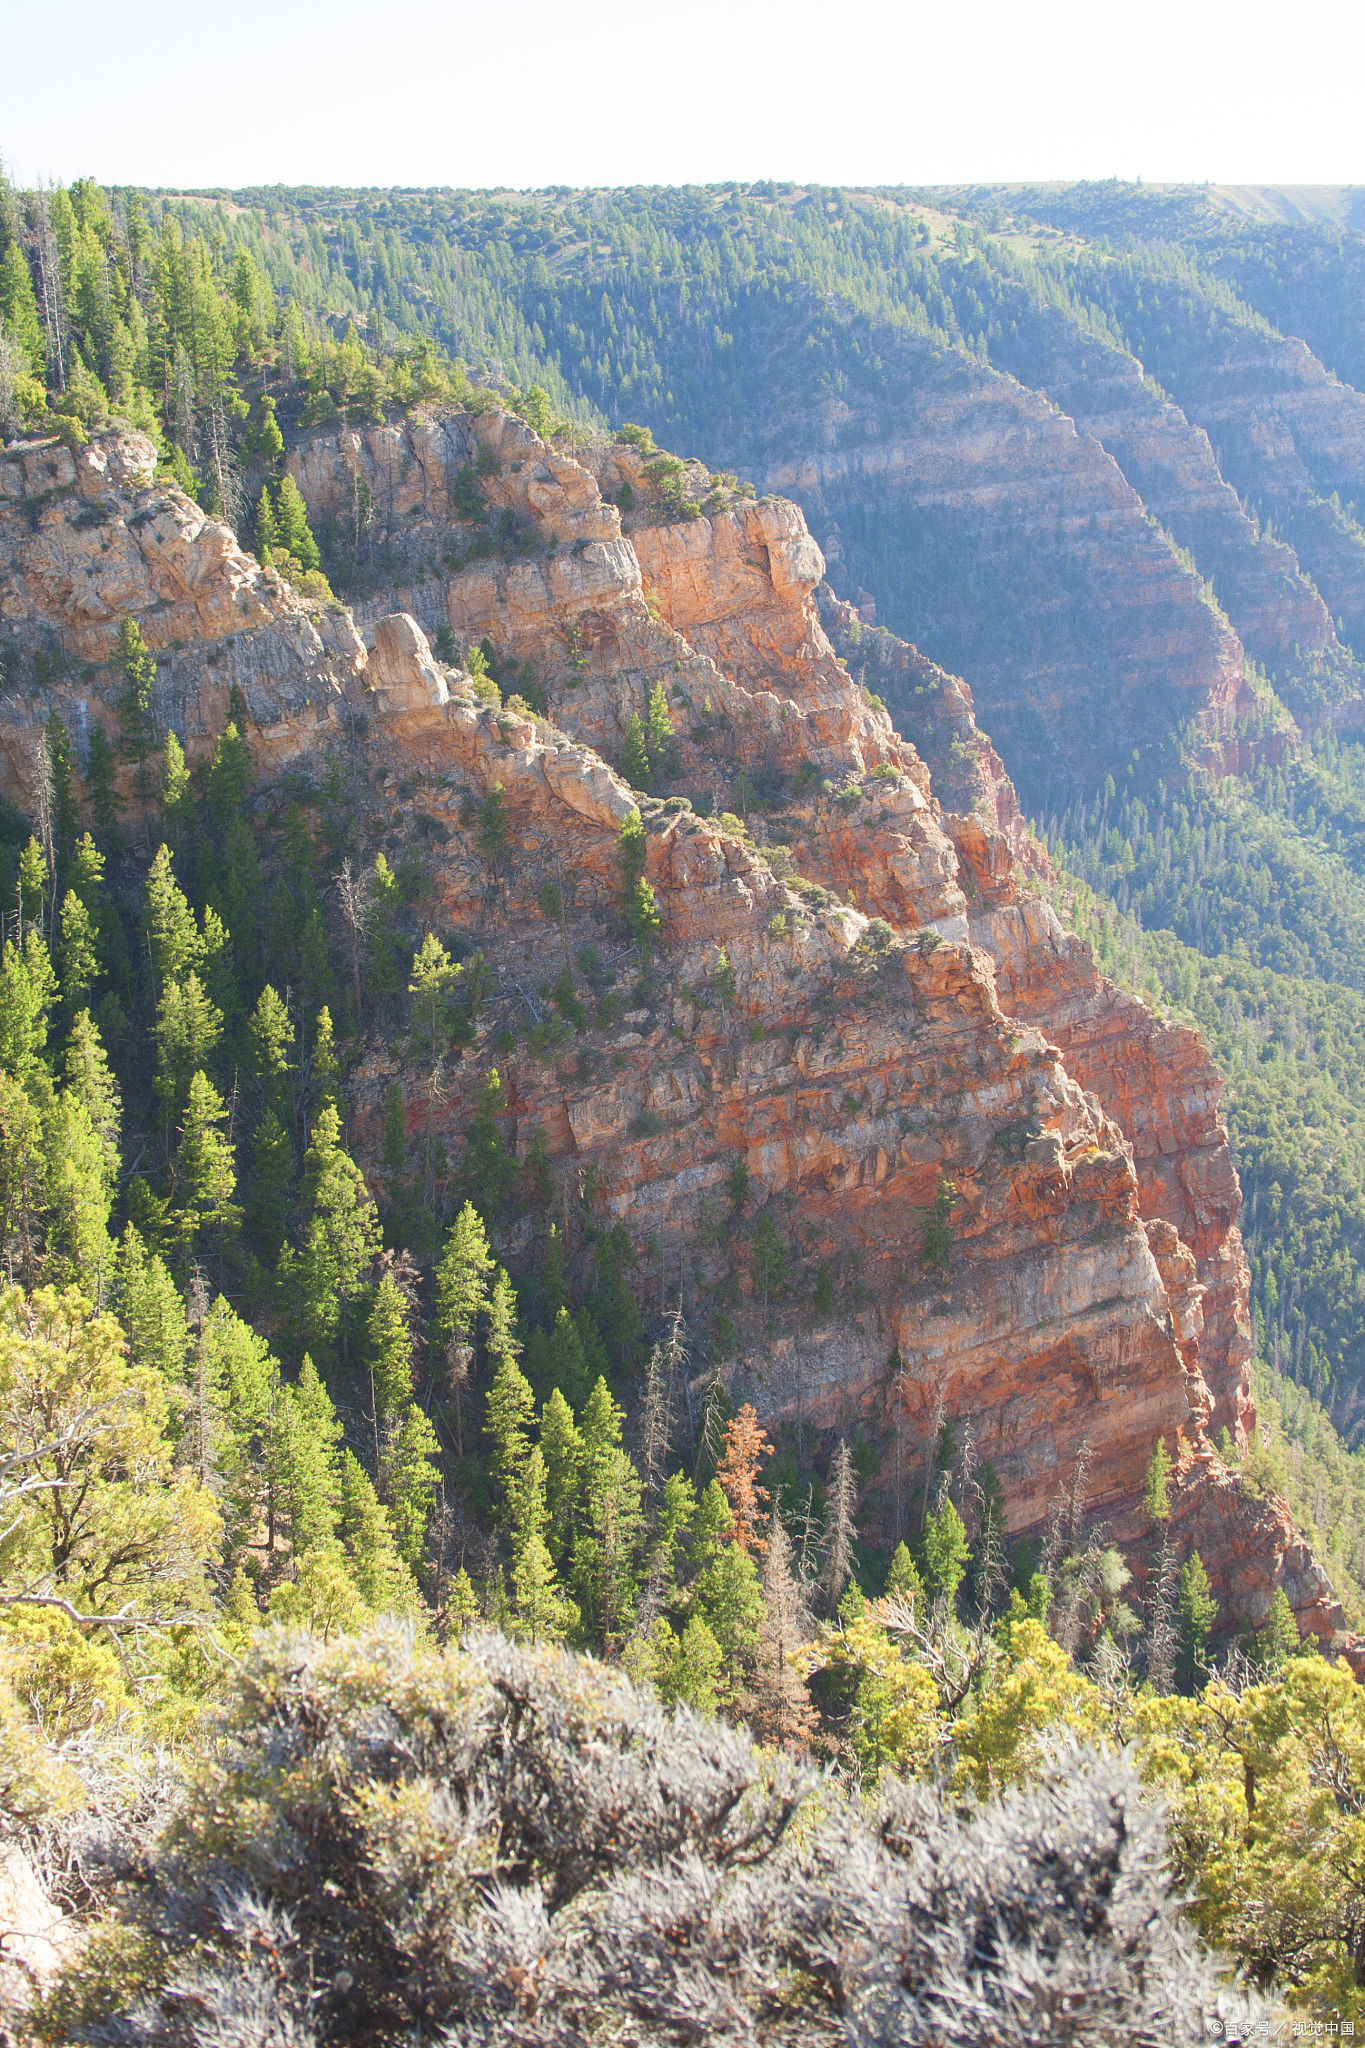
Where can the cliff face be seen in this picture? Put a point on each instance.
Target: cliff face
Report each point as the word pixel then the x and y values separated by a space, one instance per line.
pixel 1012 1176
pixel 1016 527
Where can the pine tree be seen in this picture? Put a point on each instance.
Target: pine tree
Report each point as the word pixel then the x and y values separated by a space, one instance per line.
pixel 271 1037
pixel 175 943
pixel 62 769
pixel 631 850
pixel 690 1674
pixel 389 1340
pixel 645 919
pixel 267 534
pixel 490 1170
pixel 325 1073
pixel 659 730
pixel 291 520
pixel 176 794
pixel 204 1179
pixel 341 1236
pixel 366 1531
pixel 635 755
pixel 609 1522
pixel 19 308
pixel 461 1293
pixel 561 1448
pixel 838 1564
pixel 302 1462
pixel 409 1474
pixel 555 1360
pixel 433 976
pixel 945 1553
pixel 135 665
pixel 511 1404
pixel 27 987
pixel 272 1174
pixel 79 952
pixel 778 1703
pixel 1197 1610
pixel 188 1028
pixel 1156 1501
pixel 746 1448
pixel 100 781
pixel 150 1310
pixel 903 1581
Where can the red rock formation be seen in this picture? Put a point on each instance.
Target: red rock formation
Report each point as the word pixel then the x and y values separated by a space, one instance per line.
pixel 1080 1292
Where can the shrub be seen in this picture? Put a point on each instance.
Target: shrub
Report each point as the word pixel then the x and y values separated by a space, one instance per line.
pixel 501 1845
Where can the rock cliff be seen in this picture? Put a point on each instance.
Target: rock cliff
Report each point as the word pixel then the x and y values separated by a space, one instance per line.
pixel 1005 1181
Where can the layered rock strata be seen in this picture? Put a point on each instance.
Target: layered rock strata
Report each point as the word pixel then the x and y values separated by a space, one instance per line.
pixel 1013 1180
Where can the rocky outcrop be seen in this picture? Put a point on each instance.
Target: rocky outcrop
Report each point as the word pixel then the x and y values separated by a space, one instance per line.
pixel 89 539
pixel 1007 1180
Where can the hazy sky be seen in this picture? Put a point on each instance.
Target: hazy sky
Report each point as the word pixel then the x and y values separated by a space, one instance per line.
pixel 601 92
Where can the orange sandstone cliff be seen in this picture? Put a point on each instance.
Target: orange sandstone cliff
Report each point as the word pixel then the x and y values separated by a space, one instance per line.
pixel 1011 1175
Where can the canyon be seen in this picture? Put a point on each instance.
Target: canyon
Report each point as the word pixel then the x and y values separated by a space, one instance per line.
pixel 1013 1174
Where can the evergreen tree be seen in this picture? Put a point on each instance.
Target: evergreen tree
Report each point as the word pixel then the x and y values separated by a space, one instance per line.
pixel 19 308
pixel 433 976
pixel 645 919
pixel 490 1170
pixel 366 1531
pixel 541 1611
pixel 1197 1612
pixel 79 952
pixel 511 1404
pixel 461 1292
pixel 839 1542
pixel 62 769
pixel 272 1175
pixel 271 1037
pixel 555 1360
pixel 609 1522
pixel 409 1475
pixel 303 1462
pixel 177 809
pixel 561 1448
pixel 635 755
pixel 945 1550
pixel 267 533
pixel 101 786
pixel 690 1673
pixel 291 521
pixel 135 665
pixel 659 730
pixel 554 1274
pixel 389 1341
pixel 903 1581
pixel 341 1236
pixel 150 1310
pixel 204 1179
pixel 1156 1492
pixel 175 944
pixel 631 849
pixel 188 1028
pixel 768 1260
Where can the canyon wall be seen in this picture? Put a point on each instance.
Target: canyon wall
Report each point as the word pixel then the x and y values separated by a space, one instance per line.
pixel 1011 1177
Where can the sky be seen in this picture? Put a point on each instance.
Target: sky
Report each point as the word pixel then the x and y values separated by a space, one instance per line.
pixel 602 92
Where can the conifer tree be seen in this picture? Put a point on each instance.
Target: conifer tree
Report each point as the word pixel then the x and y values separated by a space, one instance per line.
pixel 1197 1611
pixel 746 1449
pixel 433 976
pixel 101 770
pixel 174 942
pixel 490 1170
pixel 903 1581
pixel 409 1474
pixel 838 1561
pixel 946 1550
pixel 561 1449
pixel 19 308
pixel 27 987
pixel 365 1530
pixel 635 755
pixel 135 665
pixel 272 1174
pixel 511 1403
pixel 541 1611
pixel 271 1037
pixel 188 1028
pixel 778 1702
pixel 176 792
pixel 267 533
pixel 325 1074
pixel 204 1178
pixel 78 952
pixel 609 1522
pixel 341 1236
pixel 631 848
pixel 62 770
pixel 389 1340
pixel 303 1462
pixel 554 1274
pixel 690 1675
pixel 291 520
pixel 460 1295
pixel 150 1310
